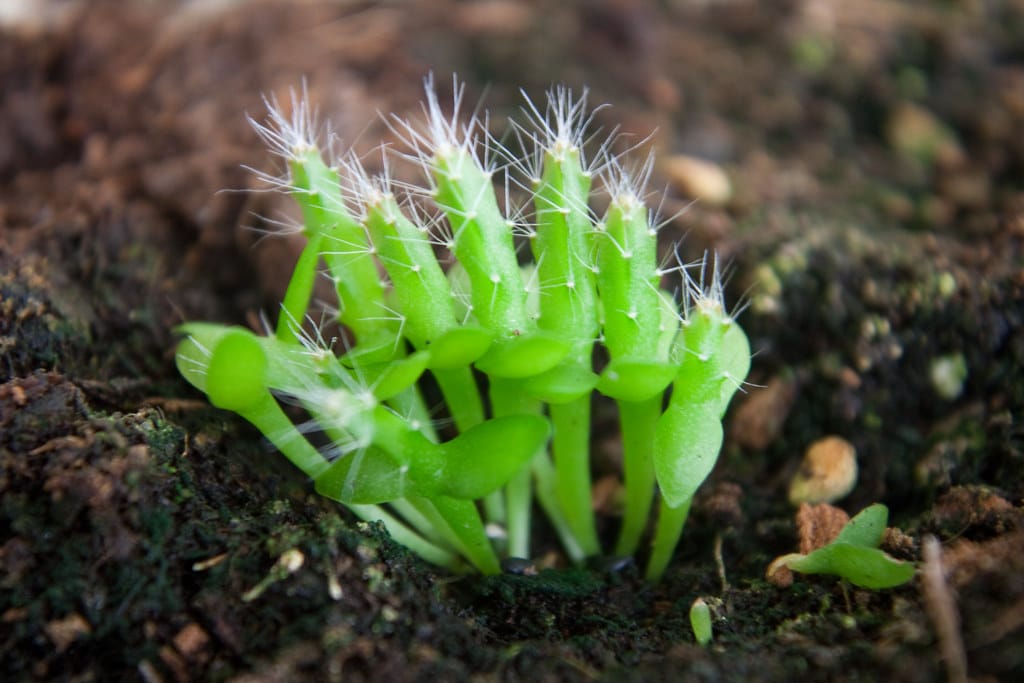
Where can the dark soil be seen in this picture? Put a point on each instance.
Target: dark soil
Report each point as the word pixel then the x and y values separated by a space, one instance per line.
pixel 876 150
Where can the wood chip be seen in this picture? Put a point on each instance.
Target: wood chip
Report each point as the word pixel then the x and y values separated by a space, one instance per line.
pixel 63 632
pixel 818 525
pixel 191 640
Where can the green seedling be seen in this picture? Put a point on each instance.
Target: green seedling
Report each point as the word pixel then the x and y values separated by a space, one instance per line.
pixel 510 346
pixel 700 621
pixel 854 555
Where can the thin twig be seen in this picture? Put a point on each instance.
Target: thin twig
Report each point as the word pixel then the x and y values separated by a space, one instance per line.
pixel 720 563
pixel 941 606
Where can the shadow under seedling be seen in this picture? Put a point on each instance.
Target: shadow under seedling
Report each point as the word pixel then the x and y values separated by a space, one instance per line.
pixel 530 330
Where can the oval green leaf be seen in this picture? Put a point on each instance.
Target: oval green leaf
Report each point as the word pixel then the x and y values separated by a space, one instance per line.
pixel 195 350
pixel 523 356
pixel 484 458
pixel 236 377
pixel 735 360
pixel 458 347
pixel 561 384
pixel 635 381
pixel 866 528
pixel 686 445
pixel 387 380
pixel 864 567
pixel 366 477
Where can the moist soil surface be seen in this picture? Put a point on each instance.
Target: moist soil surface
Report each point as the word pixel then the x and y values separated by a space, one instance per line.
pixel 873 221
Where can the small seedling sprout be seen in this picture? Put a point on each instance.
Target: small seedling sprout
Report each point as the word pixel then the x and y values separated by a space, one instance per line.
pixel 854 555
pixel 700 621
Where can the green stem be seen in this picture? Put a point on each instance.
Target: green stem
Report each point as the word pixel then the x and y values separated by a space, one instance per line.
pixel 403 535
pixel 268 417
pixel 666 537
pixel 424 524
pixel 508 398
pixel 571 448
pixel 638 421
pixel 463 519
pixel 494 507
pixel 437 522
pixel 300 289
pixel 519 498
pixel 547 496
pixel 462 396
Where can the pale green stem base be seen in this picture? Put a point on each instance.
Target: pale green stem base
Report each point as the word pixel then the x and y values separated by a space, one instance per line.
pixel 508 398
pixel 520 498
pixel 571 448
pixel 547 496
pixel 458 524
pixel 638 421
pixel 494 508
pixel 437 523
pixel 666 537
pixel 463 519
pixel 424 524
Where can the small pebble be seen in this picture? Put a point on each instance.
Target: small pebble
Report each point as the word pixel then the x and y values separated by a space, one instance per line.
pixel 191 640
pixel 518 566
pixel 699 179
pixel 827 474
pixel 947 374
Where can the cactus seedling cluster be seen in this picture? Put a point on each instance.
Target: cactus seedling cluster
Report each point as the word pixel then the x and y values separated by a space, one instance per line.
pixel 510 347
